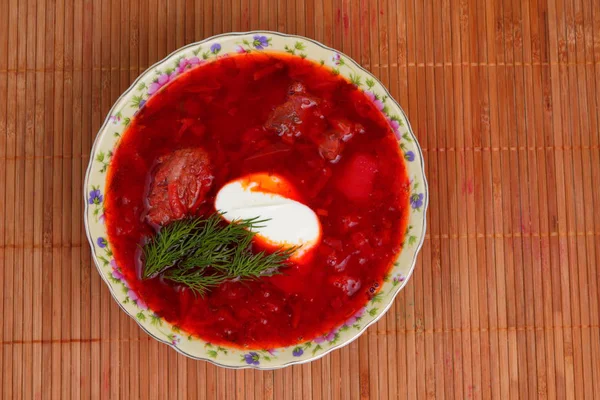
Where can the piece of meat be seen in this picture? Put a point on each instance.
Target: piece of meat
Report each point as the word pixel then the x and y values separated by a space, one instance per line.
pixel 303 114
pixel 331 146
pixel 288 120
pixel 179 185
pixel 297 88
pixel 331 143
pixel 346 129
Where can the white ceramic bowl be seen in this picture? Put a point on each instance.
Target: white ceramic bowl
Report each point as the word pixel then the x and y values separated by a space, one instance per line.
pixel 124 110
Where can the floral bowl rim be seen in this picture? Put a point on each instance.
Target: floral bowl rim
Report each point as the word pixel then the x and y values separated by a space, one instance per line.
pixel 260 359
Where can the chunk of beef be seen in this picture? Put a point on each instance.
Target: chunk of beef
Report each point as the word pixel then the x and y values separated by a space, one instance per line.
pixel 331 146
pixel 289 119
pixel 331 143
pixel 304 115
pixel 179 185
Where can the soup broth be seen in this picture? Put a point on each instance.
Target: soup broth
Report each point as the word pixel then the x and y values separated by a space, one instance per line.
pixel 265 113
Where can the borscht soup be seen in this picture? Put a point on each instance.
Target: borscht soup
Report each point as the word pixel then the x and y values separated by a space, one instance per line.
pixel 257 200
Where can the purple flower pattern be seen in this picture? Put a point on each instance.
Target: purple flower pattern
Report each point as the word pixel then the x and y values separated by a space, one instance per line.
pixel 297 352
pixel 397 279
pixel 95 197
pixel 101 242
pixel 336 58
pixel 409 156
pixel 260 42
pixel 136 299
pixel 116 271
pixel 117 274
pixel 376 102
pixel 252 358
pixel 416 200
pixel 395 125
pixel 183 65
pixel 215 48
pixel 174 339
pixel 353 319
pixel 328 337
pixel 187 63
pixel 160 82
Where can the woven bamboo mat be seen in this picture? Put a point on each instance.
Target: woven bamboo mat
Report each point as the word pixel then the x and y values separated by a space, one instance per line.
pixel 504 96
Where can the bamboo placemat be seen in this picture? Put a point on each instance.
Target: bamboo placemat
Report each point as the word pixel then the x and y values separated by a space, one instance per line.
pixel 504 96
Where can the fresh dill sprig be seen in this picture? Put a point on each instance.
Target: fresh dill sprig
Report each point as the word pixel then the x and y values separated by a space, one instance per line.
pixel 172 244
pixel 248 265
pixel 196 279
pixel 203 253
pixel 215 241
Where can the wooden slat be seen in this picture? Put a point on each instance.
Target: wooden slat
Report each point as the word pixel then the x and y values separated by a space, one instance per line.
pixel 591 166
pixel 504 97
pixel 8 218
pixel 39 203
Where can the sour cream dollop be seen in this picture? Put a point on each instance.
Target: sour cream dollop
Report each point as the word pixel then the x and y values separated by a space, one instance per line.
pixel 290 222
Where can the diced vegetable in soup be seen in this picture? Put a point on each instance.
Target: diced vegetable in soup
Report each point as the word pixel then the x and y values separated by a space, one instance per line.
pixel 307 140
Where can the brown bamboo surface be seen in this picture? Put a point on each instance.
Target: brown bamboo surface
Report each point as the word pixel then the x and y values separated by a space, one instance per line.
pixel 504 96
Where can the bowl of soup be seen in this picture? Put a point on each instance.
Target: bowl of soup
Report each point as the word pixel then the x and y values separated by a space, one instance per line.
pixel 255 200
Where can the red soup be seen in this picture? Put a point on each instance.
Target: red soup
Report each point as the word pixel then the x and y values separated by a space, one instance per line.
pixel 264 113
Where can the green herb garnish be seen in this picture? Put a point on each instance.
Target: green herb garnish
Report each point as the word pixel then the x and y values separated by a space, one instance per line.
pixel 246 264
pixel 203 253
pixel 213 244
pixel 196 279
pixel 169 246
